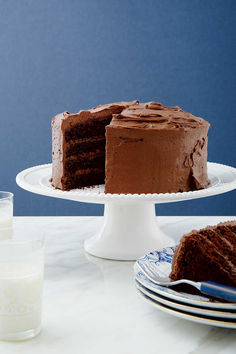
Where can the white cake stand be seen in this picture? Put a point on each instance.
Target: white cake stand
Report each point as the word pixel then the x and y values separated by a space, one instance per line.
pixel 129 228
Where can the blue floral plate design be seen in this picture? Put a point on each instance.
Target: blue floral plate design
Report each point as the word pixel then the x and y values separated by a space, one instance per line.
pixel 163 259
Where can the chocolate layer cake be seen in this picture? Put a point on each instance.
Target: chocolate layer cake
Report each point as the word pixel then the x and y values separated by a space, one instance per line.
pixel 151 148
pixel 207 254
pixel 78 146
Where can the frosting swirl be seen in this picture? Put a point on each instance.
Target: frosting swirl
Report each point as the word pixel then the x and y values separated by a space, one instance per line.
pixel 154 115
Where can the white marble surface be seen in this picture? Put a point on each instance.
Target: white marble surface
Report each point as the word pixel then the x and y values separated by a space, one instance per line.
pixel 91 306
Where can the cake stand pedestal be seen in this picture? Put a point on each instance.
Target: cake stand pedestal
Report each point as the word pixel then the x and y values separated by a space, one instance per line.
pixel 129 228
pixel 127 231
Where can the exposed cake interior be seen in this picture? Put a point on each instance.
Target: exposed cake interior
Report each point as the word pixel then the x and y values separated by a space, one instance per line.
pixel 207 254
pixel 79 146
pixel 84 154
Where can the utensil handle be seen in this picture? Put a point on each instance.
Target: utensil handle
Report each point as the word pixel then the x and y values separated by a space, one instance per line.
pixel 218 290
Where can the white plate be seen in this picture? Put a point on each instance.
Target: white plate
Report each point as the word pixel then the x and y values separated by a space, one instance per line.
pixel 162 260
pixel 186 308
pixel 36 180
pixel 199 319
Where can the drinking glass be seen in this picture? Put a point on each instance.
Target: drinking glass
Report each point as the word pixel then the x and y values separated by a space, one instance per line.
pixel 21 284
pixel 6 215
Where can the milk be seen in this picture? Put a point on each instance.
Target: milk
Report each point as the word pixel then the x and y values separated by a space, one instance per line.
pixel 20 298
pixel 6 211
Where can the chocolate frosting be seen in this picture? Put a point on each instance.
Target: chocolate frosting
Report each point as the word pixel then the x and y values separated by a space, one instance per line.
pixel 152 148
pixel 153 115
pixel 67 119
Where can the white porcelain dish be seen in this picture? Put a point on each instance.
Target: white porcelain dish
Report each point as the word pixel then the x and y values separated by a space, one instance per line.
pixel 186 307
pixel 218 322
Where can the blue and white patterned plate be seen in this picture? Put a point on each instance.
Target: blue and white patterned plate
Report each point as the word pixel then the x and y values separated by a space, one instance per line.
pixel 163 260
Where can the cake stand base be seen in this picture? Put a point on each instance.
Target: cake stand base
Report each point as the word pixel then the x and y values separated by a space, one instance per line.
pixel 129 231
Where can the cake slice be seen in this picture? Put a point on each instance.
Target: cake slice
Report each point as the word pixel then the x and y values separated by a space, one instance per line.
pixel 78 146
pixel 207 255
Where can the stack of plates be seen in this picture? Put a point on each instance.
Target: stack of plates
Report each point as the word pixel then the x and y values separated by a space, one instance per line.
pixel 190 307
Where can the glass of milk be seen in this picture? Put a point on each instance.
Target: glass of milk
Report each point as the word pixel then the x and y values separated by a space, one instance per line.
pixel 6 215
pixel 21 284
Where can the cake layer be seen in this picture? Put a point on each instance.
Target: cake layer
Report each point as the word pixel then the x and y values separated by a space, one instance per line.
pixel 91 128
pixel 78 180
pixel 227 229
pixel 221 242
pixel 86 145
pixel 84 161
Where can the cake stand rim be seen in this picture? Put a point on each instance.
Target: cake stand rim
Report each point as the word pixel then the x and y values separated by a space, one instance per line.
pixel 89 196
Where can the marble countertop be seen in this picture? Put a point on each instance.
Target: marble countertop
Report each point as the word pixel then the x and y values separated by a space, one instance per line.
pixel 91 306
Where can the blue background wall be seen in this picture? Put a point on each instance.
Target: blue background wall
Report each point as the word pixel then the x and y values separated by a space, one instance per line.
pixel 73 54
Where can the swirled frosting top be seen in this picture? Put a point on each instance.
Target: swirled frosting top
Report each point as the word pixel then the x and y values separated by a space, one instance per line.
pixel 153 115
pixel 100 112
